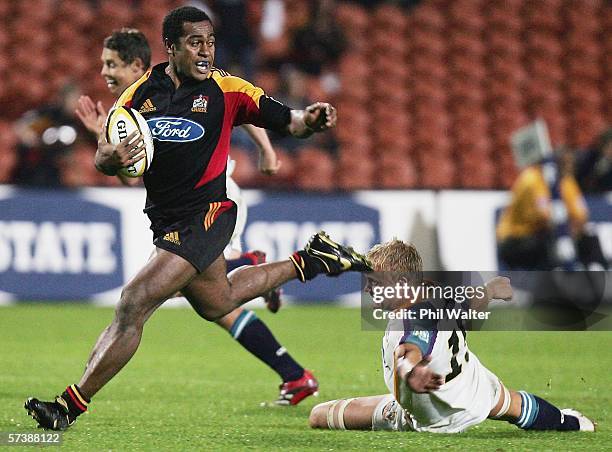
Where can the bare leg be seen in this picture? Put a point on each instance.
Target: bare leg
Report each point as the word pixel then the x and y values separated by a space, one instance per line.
pixel 163 275
pixel 93 350
pixel 213 295
pixel 513 411
pixel 227 321
pixel 357 413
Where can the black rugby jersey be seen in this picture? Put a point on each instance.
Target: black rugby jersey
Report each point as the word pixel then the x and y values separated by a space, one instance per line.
pixel 191 129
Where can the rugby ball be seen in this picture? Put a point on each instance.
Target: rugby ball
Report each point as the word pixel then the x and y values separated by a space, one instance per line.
pixel 121 122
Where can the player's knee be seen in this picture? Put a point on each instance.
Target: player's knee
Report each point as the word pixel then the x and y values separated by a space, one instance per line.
pixel 130 309
pixel 318 416
pixel 210 313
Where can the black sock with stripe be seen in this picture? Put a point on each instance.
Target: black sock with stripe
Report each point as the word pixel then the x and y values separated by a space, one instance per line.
pixel 538 414
pixel 75 401
pixel 257 338
pixel 306 266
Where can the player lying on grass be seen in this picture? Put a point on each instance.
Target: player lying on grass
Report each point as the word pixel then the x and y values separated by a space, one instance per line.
pixel 437 384
pixel 126 56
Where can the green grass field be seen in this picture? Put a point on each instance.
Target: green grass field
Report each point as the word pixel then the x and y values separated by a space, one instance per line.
pixel 191 387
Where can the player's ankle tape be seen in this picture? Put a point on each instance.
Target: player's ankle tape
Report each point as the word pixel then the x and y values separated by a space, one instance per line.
pixel 306 266
pixel 75 401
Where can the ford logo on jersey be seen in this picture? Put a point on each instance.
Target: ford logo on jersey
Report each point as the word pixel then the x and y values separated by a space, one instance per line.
pixel 175 129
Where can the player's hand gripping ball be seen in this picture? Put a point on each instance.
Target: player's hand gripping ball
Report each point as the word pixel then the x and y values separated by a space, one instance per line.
pixel 121 122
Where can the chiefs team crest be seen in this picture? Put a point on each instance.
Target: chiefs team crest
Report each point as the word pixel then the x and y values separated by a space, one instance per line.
pixel 200 104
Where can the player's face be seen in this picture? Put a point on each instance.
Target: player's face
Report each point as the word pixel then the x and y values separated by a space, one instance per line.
pixel 117 73
pixel 194 55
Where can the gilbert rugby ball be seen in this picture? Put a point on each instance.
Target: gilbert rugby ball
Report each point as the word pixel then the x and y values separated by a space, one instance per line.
pixel 121 122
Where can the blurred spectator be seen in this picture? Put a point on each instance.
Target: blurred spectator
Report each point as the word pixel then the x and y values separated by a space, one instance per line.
pixel 320 43
pixel 595 165
pixel 528 232
pixel 235 44
pixel 45 135
pixel 546 224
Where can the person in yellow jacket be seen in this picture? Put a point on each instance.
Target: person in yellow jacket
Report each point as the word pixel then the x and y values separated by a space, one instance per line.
pixel 525 231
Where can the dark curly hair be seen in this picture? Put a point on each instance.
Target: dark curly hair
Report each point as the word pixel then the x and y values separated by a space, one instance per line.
pixel 172 28
pixel 130 44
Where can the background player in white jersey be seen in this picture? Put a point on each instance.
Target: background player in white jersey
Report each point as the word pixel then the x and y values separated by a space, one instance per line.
pixel 436 383
pixel 125 58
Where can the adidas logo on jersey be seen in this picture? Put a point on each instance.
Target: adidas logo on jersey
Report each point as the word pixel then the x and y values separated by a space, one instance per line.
pixel 147 107
pixel 172 237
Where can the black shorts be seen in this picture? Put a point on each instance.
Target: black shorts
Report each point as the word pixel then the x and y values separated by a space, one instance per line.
pixel 199 239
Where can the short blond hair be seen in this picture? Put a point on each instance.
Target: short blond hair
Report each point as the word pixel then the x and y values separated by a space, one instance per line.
pixel 396 256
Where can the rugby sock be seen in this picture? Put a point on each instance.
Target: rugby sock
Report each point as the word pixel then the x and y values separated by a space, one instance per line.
pixel 306 266
pixel 538 414
pixel 255 336
pixel 75 401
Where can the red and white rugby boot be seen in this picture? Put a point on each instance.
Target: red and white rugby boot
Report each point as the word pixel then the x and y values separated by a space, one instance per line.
pixel 293 392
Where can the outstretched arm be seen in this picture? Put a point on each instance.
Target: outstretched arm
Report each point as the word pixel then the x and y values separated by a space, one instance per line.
pixel 315 118
pixel 497 288
pixel 268 160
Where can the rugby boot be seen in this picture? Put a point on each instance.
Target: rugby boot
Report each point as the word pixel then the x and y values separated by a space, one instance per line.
pixel 335 258
pixel 586 424
pixel 293 392
pixel 50 415
pixel 273 299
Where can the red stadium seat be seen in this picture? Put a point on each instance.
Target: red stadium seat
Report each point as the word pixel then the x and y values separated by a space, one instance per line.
pixel 467 43
pixel 468 67
pixel 5 9
pixel 507 176
pixel 81 157
pixel 505 21
pixel 79 11
pixel 360 148
pixel 351 16
pixel 399 139
pixel 504 44
pixel 396 172
pixel 355 174
pixel 543 45
pixel 354 66
pixel 427 42
pixel 582 68
pixel 579 20
pixel 477 173
pixel 427 17
pixel 315 170
pixel 468 20
pixel 245 171
pixel 8 162
pixel 436 171
pixel 390 17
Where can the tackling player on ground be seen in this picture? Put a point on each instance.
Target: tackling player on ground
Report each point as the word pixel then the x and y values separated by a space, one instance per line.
pixel 436 383
pixel 191 217
pixel 126 57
